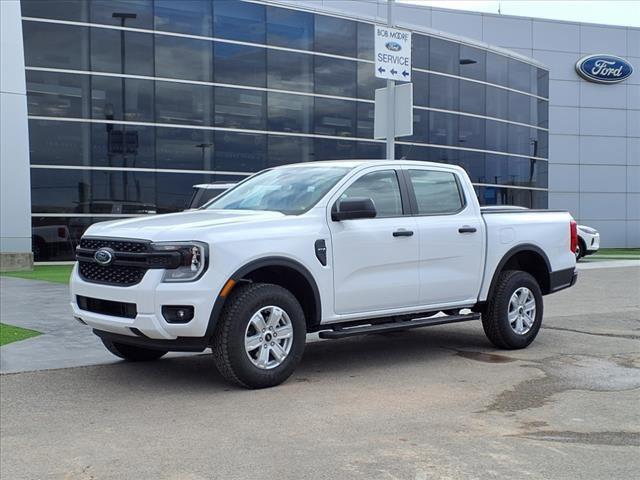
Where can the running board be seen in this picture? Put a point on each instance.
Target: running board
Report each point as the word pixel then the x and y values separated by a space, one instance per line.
pixel 345 332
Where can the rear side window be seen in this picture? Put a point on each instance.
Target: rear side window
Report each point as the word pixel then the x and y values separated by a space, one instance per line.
pixel 437 192
pixel 381 187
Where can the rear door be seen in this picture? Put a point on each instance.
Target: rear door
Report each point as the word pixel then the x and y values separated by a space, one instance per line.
pixel 375 260
pixel 451 237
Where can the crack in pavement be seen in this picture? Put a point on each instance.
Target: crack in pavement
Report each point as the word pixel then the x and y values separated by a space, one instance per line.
pixel 619 438
pixel 614 335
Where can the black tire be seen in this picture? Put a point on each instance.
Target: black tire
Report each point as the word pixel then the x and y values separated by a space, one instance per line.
pixel 131 353
pixel 494 317
pixel 229 353
pixel 581 248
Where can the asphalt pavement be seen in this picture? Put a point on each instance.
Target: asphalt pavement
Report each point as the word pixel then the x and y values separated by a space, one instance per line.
pixel 437 403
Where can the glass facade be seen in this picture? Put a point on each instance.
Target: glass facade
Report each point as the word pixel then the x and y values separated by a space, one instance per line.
pixel 131 102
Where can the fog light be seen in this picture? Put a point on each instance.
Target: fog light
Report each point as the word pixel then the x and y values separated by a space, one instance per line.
pixel 177 313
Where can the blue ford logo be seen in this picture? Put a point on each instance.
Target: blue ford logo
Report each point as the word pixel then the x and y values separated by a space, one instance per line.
pixel 393 46
pixel 604 68
pixel 104 256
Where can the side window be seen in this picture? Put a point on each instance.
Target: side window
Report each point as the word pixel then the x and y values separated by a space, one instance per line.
pixel 381 187
pixel 436 192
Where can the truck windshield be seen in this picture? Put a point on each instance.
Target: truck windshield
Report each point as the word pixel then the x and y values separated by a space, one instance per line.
pixel 291 191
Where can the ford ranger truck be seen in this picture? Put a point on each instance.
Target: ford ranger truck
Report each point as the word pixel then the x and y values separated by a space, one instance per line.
pixel 341 248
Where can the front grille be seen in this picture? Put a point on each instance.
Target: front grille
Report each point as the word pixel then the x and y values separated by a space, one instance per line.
pixel 122 275
pixel 107 307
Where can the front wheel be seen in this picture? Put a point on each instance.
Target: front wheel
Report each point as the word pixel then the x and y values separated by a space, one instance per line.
pixel 513 315
pixel 131 353
pixel 260 336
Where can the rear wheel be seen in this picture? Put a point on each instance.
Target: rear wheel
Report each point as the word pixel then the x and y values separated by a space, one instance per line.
pixel 131 353
pixel 513 315
pixel 260 336
pixel 580 250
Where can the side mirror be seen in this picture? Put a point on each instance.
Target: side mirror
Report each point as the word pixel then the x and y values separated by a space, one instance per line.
pixel 352 208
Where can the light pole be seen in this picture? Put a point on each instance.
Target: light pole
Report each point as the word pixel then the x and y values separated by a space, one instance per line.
pixel 391 101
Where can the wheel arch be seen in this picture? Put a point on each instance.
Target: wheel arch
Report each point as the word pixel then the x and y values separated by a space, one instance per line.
pixel 283 271
pixel 528 258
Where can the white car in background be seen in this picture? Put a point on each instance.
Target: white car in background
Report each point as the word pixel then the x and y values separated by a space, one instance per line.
pixel 588 241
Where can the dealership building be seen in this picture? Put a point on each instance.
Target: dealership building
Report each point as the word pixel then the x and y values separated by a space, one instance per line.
pixel 116 108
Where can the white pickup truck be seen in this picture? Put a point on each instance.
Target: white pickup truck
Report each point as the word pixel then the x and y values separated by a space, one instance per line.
pixel 341 248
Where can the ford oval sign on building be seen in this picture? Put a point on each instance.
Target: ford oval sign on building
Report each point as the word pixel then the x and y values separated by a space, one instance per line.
pixel 604 68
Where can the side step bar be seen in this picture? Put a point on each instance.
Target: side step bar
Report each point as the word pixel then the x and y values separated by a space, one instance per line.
pixel 344 332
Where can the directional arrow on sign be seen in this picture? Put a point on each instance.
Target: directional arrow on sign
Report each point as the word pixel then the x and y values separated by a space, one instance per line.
pixel 393 71
pixel 381 70
pixel 405 74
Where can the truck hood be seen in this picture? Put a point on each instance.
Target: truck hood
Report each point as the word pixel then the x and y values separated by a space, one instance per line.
pixel 178 226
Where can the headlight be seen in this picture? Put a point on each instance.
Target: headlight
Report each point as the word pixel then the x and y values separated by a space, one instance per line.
pixel 588 230
pixel 193 260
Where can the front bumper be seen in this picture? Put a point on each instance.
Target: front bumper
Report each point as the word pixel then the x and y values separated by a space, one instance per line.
pixel 592 244
pixel 149 296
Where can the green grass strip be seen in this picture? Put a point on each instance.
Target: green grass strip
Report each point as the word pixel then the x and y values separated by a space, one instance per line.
pixel 47 273
pixel 10 334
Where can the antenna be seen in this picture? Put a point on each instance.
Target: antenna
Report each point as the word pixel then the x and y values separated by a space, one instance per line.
pixel 499 12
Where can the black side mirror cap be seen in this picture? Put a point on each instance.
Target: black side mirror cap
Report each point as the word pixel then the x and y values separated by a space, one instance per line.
pixel 353 208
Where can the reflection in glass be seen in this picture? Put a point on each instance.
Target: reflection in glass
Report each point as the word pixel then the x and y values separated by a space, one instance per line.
pixel 116 145
pixel 368 82
pixel 497 69
pixel 443 56
pixel 239 21
pixel 472 97
pixel 289 28
pixel 443 128
pixel 444 92
pixel 289 71
pixel 75 10
pixel 284 150
pixel 107 102
pixel 239 64
pixel 520 108
pixel 471 134
pixel 240 152
pixel 335 35
pixel 236 108
pixel 52 94
pixel 54 46
pixel 102 11
pixel 185 58
pixel 497 102
pixel 335 117
pixel 183 103
pixel 331 149
pixel 365 41
pixel 107 50
pixel 182 148
pixel 472 62
pixel 334 76
pixel 366 114
pixel 59 143
pixel 290 113
pixel 419 51
pixel 520 75
pixel 185 16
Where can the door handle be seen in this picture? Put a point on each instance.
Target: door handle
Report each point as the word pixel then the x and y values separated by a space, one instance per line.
pixel 467 229
pixel 403 233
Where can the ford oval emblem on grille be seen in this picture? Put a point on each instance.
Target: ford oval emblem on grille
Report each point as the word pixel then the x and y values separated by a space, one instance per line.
pixel 604 68
pixel 104 256
pixel 393 46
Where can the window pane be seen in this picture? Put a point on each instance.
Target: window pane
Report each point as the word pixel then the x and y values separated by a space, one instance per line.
pixel 106 98
pixel 436 192
pixel 185 16
pixel 334 76
pixel 240 152
pixel 335 117
pixel 368 82
pixel 366 113
pixel 239 21
pixel 121 192
pixel 330 149
pixel 443 128
pixel 370 150
pixel 75 10
pixel 365 41
pixel 285 150
pixel 182 148
pixel 239 64
pixel 496 138
pixel 497 69
pixel 497 102
pixel 516 171
pixel 473 163
pixel 183 103
pixel 236 108
pixel 472 97
pixel 519 108
pixel 59 143
pixel 543 113
pixel 55 46
pixel 520 140
pixel 289 28
pixel 106 52
pixel 102 11
pixel 471 132
pixel 444 56
pixel 63 246
pixel 174 190
pixel 290 113
pixel 420 127
pixel 289 71
pixel 519 75
pixel 381 187
pixel 335 35
pixel 472 62
pixel 185 58
pixel 543 82
pixel 419 51
pixel 114 145
pixel 420 88
pixel 52 94
pixel 443 92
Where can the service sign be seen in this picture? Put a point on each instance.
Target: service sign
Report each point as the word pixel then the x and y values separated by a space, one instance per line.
pixel 604 68
pixel 393 54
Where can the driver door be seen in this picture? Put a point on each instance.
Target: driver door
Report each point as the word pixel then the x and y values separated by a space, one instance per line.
pixel 375 260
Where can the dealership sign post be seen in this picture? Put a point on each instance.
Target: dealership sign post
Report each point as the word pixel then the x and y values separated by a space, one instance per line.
pixel 392 62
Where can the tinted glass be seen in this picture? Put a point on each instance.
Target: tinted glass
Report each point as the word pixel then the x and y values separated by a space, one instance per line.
pixel 543 113
pixel 114 145
pixel 236 108
pixel 420 126
pixel 520 108
pixel 290 113
pixel 285 150
pixel 106 99
pixel 366 114
pixel 472 62
pixel 185 16
pixel 381 187
pixel 289 71
pixel 443 128
pixel 521 140
pixel 59 143
pixel 419 51
pixel 289 28
pixel 103 11
pixel 106 52
pixel 368 82
pixel 365 41
pixel 330 149
pixel 370 150
pixel 444 56
pixel 287 190
pixel 519 75
pixel 420 88
pixel 471 133
pixel 497 69
pixel 57 94
pixel 335 35
pixel 55 46
pixel 497 102
pixel 444 92
pixel 240 152
pixel 239 64
pixel 335 117
pixel 62 246
pixel 334 76
pixel 473 163
pixel 183 103
pixel 436 192
pixel 182 148
pixel 496 135
pixel 543 82
pixel 75 10
pixel 512 196
pixel 239 21
pixel 185 58
pixel 472 97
